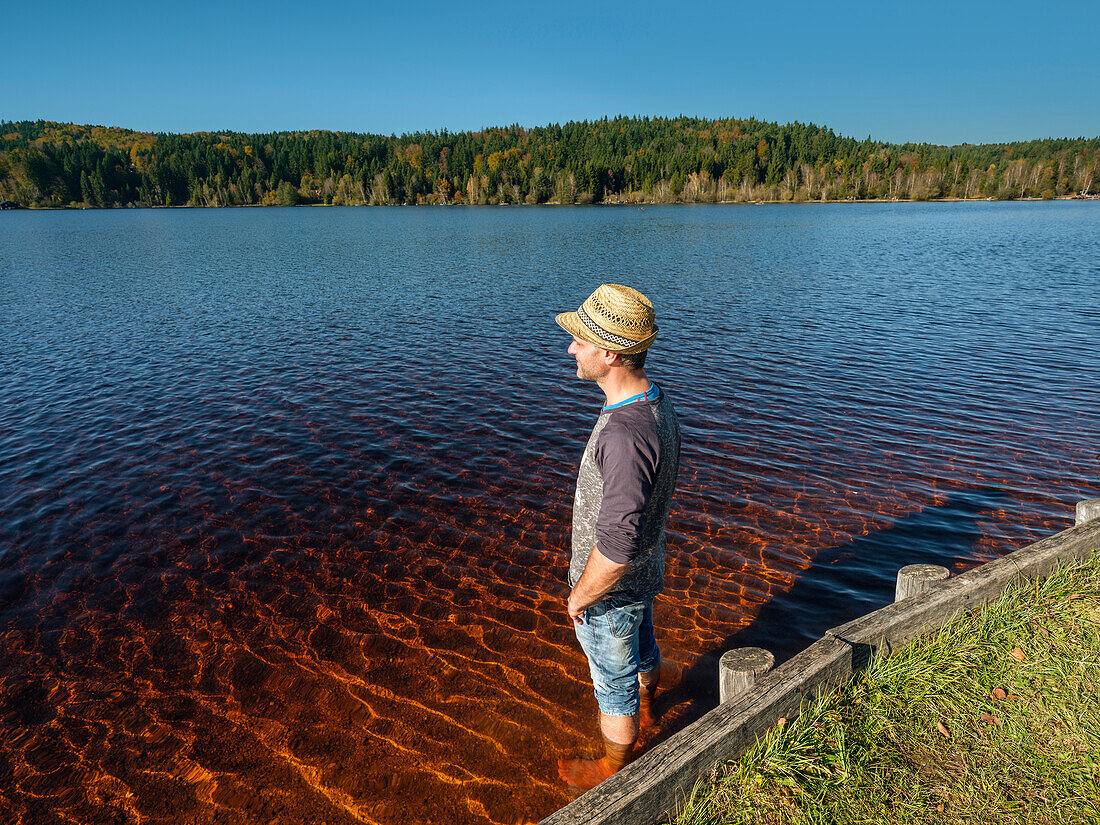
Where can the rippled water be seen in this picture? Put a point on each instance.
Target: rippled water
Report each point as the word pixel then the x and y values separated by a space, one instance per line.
pixel 284 494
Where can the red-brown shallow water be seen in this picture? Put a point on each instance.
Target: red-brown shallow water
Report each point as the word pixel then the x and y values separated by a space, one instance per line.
pixel 285 494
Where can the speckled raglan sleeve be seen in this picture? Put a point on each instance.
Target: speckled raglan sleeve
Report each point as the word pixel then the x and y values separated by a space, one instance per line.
pixel 627 453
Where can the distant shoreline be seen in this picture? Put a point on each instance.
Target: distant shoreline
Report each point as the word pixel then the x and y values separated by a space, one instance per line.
pixel 611 203
pixel 610 161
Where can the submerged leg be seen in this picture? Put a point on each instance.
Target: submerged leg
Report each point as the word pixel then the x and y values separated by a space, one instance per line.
pixel 588 773
pixel 649 668
pixel 647 689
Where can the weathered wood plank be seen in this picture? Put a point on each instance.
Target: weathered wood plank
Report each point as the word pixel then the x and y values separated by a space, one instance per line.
pixel 895 625
pixel 652 787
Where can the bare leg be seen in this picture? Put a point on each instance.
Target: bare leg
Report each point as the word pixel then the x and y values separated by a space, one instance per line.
pixel 619 735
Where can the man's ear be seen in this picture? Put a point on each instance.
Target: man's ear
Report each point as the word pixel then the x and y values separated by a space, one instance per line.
pixel 610 357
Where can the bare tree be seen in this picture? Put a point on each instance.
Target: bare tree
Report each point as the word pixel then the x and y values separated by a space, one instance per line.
pixel 972 184
pixel 379 193
pixel 790 181
pixel 700 188
pixel 726 190
pixel 1086 178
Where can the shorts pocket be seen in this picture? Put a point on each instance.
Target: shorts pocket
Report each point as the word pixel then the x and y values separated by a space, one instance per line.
pixel 625 620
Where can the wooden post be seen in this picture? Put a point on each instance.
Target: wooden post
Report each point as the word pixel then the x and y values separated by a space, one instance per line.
pixel 738 669
pixel 916 578
pixel 1087 510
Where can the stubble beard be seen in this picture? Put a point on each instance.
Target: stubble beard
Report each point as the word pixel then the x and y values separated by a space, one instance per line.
pixel 585 375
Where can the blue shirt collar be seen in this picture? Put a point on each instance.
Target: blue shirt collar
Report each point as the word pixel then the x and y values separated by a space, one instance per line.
pixel 652 394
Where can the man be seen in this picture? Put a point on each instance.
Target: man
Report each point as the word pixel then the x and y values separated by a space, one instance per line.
pixel 624 488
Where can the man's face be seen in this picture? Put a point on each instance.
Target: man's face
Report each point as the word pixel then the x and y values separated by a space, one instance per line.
pixel 591 360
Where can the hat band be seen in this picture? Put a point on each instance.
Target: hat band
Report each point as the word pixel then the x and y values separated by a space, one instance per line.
pixel 602 333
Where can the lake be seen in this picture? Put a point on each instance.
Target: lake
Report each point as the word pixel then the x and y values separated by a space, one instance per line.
pixel 285 493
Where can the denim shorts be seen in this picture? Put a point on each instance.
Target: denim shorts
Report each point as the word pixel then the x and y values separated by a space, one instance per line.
pixel 618 640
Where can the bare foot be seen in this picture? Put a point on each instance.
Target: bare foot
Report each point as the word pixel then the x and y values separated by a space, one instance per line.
pixel 584 773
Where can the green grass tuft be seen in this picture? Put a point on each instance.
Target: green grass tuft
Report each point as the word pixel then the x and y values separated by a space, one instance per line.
pixel 995 718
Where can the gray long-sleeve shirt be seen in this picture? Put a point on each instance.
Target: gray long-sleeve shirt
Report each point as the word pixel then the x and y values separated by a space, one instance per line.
pixel 624 489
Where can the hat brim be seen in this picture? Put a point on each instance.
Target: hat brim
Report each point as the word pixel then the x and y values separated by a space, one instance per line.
pixel 571 323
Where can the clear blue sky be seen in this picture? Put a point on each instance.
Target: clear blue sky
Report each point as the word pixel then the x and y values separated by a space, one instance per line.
pixel 941 72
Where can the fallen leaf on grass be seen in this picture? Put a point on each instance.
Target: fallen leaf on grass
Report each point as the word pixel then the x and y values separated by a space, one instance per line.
pixel 1072 597
pixel 1012 697
pixel 990 719
pixel 943 730
pixel 999 694
pixel 1017 654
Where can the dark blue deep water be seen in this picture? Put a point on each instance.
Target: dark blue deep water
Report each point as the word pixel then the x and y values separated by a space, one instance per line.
pixel 284 494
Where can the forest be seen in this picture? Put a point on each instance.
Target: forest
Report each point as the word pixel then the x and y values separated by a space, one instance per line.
pixel 612 160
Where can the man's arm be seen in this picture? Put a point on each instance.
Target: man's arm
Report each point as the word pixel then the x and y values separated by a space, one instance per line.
pixel 599 576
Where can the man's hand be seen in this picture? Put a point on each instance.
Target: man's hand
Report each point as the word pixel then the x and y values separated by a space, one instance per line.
pixel 575 609
pixel 599 576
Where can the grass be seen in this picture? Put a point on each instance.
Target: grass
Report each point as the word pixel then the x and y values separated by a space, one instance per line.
pixel 995 718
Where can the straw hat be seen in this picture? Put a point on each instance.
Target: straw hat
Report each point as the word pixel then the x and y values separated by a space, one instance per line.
pixel 615 318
